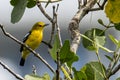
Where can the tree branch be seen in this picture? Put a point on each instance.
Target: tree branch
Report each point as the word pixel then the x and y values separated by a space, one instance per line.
pixel 55 20
pixel 115 70
pixel 43 11
pixel 21 43
pixel 111 70
pixel 101 7
pixel 58 67
pixel 12 72
pixel 74 24
pixel 50 46
pixel 53 26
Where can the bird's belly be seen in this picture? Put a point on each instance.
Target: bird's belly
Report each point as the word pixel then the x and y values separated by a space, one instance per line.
pixel 34 41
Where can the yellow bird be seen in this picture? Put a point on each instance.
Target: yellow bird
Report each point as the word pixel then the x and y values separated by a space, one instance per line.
pixel 32 39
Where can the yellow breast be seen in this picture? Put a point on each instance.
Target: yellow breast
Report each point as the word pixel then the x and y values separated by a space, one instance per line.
pixel 35 39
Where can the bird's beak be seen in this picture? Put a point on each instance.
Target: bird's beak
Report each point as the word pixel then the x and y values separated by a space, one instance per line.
pixel 46 24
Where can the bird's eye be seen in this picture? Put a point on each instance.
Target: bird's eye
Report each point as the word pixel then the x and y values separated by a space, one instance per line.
pixel 40 25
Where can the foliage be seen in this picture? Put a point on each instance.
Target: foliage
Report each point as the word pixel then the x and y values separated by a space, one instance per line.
pixel 55 49
pixel 118 78
pixel 31 3
pixel 90 71
pixel 18 10
pixel 96 37
pixel 93 71
pixel 117 26
pixel 112 10
pixel 65 54
pixel 20 6
pixel 37 77
pixel 79 75
pixel 115 41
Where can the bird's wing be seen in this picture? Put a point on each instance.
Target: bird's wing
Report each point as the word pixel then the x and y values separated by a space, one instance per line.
pixel 24 39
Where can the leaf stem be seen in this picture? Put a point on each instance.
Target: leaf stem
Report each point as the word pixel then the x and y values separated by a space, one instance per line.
pixel 103 71
pixel 104 48
pixel 65 73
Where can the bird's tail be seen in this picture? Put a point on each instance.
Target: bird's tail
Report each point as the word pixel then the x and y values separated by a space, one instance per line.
pixel 23 58
pixel 22 62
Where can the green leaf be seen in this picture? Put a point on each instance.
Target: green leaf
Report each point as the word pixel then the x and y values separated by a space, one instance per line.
pixel 13 2
pixel 18 11
pixel 117 26
pixel 79 75
pixel 66 55
pixel 36 77
pixel 118 78
pixel 54 78
pixel 108 57
pixel 112 10
pixel 100 21
pixel 97 36
pixel 87 43
pixel 112 38
pixel 100 40
pixel 118 44
pixel 56 48
pixel 115 41
pixel 50 1
pixel 93 71
pixel 31 3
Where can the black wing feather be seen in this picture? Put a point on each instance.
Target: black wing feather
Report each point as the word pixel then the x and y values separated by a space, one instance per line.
pixel 24 39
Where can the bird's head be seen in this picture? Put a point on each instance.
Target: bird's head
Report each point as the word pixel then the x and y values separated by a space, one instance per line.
pixel 39 26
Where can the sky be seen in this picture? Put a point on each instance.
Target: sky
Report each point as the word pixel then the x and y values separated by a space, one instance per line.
pixel 9 51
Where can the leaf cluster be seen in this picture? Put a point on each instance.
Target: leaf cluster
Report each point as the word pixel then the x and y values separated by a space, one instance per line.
pixel 66 55
pixel 19 8
pixel 21 5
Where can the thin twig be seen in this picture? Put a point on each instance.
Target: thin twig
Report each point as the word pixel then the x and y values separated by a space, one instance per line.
pixel 59 36
pixel 46 43
pixel 58 67
pixel 57 7
pixel 111 68
pixel 79 4
pixel 103 71
pixel 101 7
pixel 65 67
pixel 34 70
pixel 115 70
pixel 21 43
pixel 98 3
pixel 95 9
pixel 60 40
pixel 52 33
pixel 58 31
pixel 53 26
pixel 43 11
pixel 11 71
